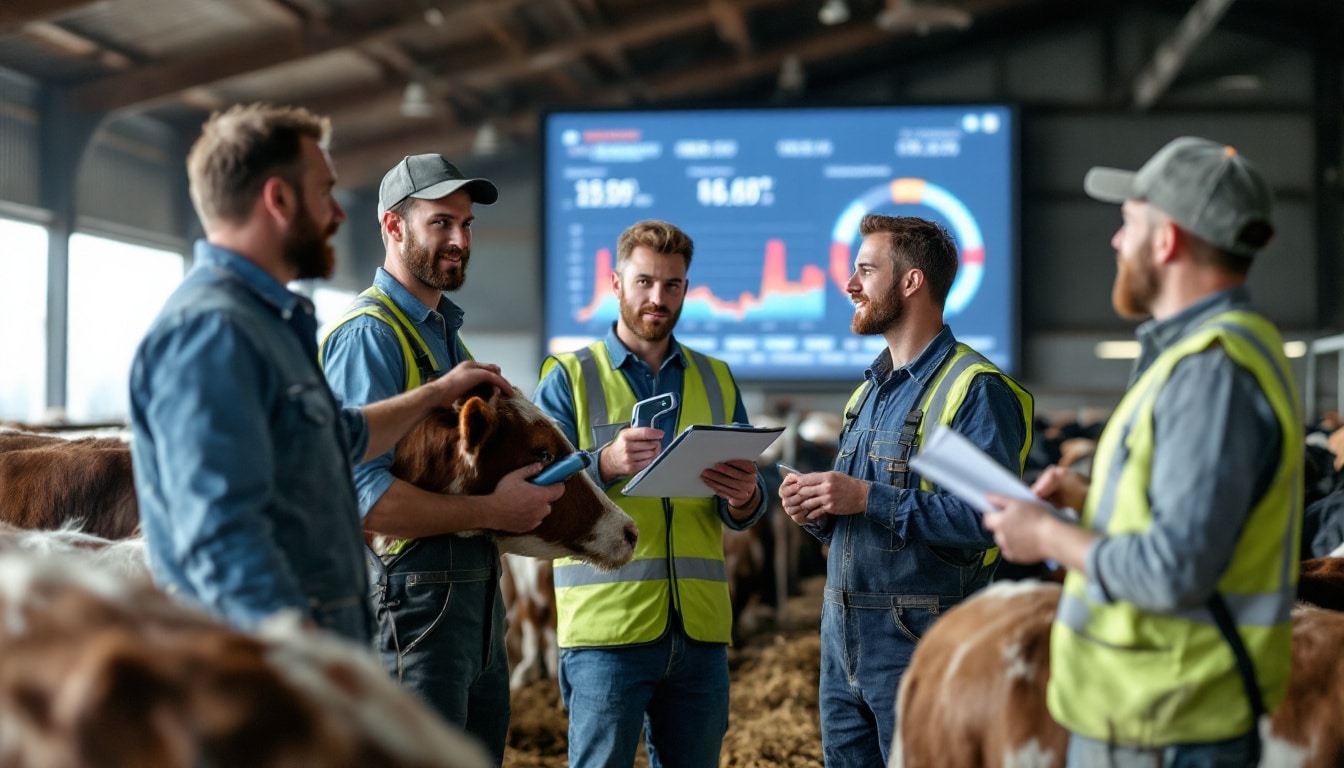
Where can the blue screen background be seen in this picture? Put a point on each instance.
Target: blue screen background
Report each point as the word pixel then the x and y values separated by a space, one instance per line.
pixel 772 200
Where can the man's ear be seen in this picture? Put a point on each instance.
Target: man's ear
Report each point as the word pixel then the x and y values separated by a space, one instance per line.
pixel 394 226
pixel 616 283
pixel 911 282
pixel 1165 237
pixel 278 200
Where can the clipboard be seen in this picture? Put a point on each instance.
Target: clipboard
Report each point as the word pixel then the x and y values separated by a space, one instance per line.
pixel 676 471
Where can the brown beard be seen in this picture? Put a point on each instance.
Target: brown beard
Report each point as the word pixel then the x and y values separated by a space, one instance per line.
pixel 646 330
pixel 306 248
pixel 882 314
pixel 421 263
pixel 1136 285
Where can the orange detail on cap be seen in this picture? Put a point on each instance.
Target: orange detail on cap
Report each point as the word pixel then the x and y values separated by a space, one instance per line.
pixel 1229 151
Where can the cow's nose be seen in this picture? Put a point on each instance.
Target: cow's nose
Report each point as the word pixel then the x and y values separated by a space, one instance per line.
pixel 631 535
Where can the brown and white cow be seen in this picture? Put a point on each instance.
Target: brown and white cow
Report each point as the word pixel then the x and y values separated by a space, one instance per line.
pixel 468 449
pixel 96 670
pixel 530 595
pixel 48 482
pixel 974 694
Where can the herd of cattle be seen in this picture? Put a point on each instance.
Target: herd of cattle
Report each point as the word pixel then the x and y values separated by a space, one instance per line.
pixel 98 668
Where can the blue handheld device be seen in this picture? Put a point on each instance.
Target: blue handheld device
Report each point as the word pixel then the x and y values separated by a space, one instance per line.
pixel 563 469
pixel 647 411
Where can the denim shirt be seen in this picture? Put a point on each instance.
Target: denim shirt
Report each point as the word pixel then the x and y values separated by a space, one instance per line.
pixel 1216 448
pixel 242 457
pixel 364 363
pixel 908 541
pixel 556 398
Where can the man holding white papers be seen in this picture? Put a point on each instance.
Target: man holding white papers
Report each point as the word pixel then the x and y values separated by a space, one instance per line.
pixel 901 550
pixel 1173 633
pixel 645 646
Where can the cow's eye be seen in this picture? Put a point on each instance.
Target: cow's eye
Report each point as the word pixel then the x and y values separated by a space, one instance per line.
pixel 542 455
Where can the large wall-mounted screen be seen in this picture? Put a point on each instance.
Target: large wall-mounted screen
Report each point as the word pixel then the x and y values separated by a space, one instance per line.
pixel 773 200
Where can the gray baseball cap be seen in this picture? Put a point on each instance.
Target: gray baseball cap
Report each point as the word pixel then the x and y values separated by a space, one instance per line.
pixel 1208 188
pixel 430 177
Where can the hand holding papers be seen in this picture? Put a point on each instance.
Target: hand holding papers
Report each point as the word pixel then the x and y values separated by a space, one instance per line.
pixel 676 471
pixel 956 464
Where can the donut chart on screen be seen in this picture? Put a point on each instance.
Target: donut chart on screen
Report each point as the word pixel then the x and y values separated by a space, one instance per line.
pixel 912 191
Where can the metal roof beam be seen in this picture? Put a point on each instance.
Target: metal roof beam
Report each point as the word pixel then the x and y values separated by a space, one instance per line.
pixel 1172 54
pixel 16 13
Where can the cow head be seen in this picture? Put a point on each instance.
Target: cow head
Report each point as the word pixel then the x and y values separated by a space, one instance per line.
pixel 468 449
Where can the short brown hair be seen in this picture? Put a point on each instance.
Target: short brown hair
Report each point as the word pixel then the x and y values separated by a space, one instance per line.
pixel 659 236
pixel 914 243
pixel 239 149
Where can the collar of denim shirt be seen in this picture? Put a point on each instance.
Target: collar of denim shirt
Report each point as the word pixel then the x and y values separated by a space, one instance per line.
pixel 286 302
pixel 621 354
pixel 453 315
pixel 922 368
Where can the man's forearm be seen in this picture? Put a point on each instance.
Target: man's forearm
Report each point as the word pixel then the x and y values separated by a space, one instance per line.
pixel 390 419
pixel 408 512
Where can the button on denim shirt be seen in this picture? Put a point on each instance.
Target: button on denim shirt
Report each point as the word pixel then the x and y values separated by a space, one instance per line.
pixel 364 363
pixel 909 541
pixel 242 457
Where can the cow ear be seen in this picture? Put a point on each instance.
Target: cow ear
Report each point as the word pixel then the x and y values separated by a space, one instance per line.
pixel 475 423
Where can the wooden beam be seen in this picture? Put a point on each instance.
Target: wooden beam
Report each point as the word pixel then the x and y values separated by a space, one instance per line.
pixel 732 26
pixel 16 13
pixel 628 36
pixel 72 44
pixel 366 163
pixel 140 88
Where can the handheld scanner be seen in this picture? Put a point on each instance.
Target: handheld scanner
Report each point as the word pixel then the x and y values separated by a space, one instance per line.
pixel 647 411
pixel 563 469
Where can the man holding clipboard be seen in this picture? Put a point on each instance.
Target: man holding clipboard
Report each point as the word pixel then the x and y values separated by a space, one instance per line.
pixel 645 647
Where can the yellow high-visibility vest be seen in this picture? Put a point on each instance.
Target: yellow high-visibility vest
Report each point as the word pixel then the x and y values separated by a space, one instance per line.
pixel 1123 675
pixel 678 561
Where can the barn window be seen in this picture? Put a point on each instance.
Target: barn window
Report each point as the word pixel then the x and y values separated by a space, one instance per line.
pixel 116 290
pixel 23 320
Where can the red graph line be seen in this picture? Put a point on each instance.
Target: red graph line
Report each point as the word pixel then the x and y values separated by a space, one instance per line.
pixel 774 282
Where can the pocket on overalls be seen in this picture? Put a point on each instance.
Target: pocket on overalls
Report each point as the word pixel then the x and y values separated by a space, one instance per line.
pixel 888 457
pixel 913 622
pixel 414 610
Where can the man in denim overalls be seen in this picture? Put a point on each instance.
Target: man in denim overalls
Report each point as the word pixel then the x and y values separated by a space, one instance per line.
pixel 901 551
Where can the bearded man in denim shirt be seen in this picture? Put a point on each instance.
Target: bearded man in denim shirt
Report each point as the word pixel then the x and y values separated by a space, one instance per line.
pixel 241 456
pixel 901 550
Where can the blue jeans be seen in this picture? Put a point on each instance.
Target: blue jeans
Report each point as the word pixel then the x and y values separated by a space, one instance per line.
pixel 675 690
pixel 864 652
pixel 441 635
pixel 1231 753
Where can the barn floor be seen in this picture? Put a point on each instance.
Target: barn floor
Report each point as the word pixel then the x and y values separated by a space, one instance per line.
pixel 773 718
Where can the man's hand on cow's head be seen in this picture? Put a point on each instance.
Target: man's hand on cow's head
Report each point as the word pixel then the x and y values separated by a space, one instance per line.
pixel 633 449
pixel 808 497
pixel 463 378
pixel 518 506
pixel 734 481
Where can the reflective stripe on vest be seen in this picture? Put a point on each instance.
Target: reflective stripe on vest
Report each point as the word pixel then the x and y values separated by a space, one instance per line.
pixel 1136 678
pixel 679 558
pixel 945 396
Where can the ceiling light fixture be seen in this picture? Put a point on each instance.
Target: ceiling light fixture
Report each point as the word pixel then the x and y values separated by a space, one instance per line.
pixel 487 140
pixel 415 101
pixel 833 12
pixel 792 78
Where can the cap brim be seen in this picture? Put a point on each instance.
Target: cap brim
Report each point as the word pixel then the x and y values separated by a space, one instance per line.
pixel 482 191
pixel 1109 185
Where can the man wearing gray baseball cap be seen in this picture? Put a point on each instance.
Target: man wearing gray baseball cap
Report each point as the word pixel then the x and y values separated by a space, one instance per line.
pixel 400 333
pixel 1172 635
